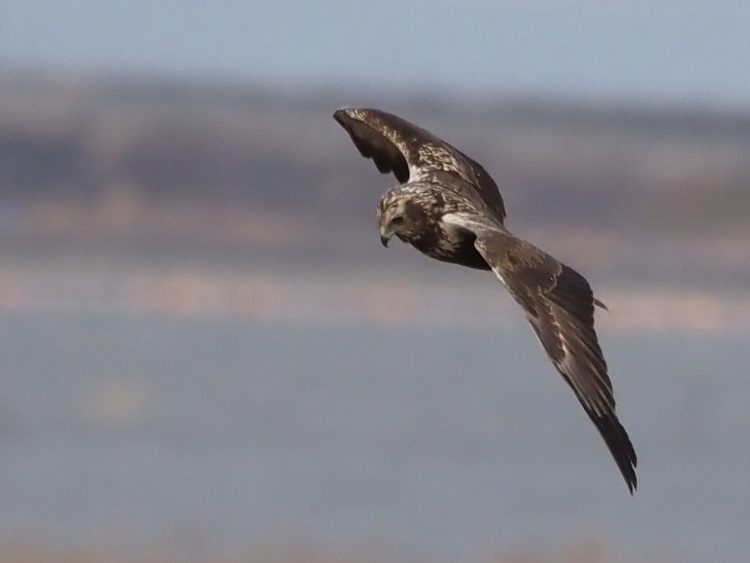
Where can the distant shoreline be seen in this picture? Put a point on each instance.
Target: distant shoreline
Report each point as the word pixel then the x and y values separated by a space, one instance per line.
pixel 256 291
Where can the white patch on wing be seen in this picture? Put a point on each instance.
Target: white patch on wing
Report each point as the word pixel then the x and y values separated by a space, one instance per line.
pixel 468 221
pixel 417 173
pixel 464 220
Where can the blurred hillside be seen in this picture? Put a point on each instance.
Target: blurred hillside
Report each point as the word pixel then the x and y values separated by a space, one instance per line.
pixel 105 158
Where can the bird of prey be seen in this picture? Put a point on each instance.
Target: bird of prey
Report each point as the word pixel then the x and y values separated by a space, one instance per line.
pixel 448 207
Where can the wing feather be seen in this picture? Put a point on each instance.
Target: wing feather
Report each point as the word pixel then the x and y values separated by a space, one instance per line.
pixel 412 154
pixel 559 304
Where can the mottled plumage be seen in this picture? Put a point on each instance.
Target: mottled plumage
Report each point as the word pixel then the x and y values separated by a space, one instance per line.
pixel 450 209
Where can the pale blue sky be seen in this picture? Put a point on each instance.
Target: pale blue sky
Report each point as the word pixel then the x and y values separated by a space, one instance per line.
pixel 691 51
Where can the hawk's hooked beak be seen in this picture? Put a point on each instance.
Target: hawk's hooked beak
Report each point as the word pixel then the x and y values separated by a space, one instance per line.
pixel 385 235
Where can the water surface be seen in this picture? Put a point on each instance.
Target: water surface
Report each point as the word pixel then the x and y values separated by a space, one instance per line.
pixel 450 443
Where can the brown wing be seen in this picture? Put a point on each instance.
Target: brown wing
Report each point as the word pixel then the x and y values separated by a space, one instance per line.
pixel 411 153
pixel 559 304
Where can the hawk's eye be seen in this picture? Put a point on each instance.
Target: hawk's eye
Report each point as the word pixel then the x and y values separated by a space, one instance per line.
pixel 398 220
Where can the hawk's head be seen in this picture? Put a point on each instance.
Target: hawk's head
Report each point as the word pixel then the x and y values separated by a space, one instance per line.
pixel 399 214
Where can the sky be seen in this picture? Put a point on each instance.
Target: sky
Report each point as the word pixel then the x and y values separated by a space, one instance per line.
pixel 693 51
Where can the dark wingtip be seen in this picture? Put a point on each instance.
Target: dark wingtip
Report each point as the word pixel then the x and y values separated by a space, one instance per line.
pixel 339 114
pixel 342 114
pixel 620 447
pixel 632 484
pixel 631 479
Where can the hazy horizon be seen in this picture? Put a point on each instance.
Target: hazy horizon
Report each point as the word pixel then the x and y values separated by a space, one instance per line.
pixel 695 52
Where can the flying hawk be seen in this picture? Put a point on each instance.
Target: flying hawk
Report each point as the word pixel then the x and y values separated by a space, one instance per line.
pixel 448 207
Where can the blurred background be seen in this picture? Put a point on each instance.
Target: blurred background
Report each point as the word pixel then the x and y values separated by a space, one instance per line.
pixel 205 354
